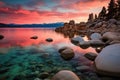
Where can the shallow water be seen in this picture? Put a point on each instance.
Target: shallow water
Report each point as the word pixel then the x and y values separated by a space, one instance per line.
pixel 25 58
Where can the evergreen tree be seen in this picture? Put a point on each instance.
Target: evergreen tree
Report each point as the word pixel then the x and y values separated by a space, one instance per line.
pixel 118 9
pixel 111 9
pixel 102 14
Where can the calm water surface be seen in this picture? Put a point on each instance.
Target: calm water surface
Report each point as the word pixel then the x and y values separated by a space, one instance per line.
pixel 21 56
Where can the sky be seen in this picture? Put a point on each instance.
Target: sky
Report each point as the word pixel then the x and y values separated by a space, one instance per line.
pixel 48 11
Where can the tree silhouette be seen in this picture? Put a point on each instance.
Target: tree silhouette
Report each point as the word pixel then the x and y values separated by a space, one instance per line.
pixel 118 10
pixel 111 9
pixel 102 14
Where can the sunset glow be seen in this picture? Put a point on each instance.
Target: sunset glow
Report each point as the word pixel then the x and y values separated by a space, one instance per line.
pixel 48 11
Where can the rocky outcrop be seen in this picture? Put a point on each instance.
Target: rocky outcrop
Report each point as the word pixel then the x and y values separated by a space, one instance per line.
pixel 65 75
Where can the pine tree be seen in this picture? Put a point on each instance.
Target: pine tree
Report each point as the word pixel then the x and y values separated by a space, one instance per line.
pixel 111 9
pixel 102 14
pixel 118 9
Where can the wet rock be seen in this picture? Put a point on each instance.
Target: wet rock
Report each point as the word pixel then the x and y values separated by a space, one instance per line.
pixel 107 62
pixel 49 39
pixel 19 77
pixel 83 68
pixel 71 22
pixel 37 79
pixel 99 24
pixel 110 36
pixel 99 49
pixel 84 44
pixel 3 70
pixel 112 21
pixel 34 37
pixel 91 56
pixel 1 37
pixel 67 54
pixel 63 48
pixel 44 75
pixel 96 43
pixel 77 40
pixel 95 36
pixel 65 75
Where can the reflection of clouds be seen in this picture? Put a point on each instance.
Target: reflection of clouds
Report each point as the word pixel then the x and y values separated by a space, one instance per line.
pixel 21 37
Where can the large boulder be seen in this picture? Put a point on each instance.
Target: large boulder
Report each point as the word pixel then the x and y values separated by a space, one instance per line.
pixel 65 75
pixel 108 37
pixel 77 40
pixel 95 36
pixel 107 62
pixel 67 53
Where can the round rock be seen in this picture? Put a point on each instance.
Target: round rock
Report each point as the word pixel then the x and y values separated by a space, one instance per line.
pixel 77 40
pixel 34 37
pixel 107 62
pixel 1 37
pixel 49 39
pixel 65 75
pixel 91 56
pixel 96 43
pixel 67 54
pixel 95 36
pixel 84 44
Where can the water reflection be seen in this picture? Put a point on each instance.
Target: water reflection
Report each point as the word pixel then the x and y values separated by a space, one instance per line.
pixel 21 37
pixel 24 56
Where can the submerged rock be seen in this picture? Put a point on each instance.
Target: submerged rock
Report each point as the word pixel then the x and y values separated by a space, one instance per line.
pixel 107 62
pixel 1 37
pixel 65 75
pixel 4 70
pixel 83 68
pixel 44 75
pixel 91 56
pixel 67 54
pixel 49 39
pixel 34 37
pixel 63 48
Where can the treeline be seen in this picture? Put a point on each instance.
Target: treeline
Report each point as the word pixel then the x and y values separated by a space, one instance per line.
pixel 111 12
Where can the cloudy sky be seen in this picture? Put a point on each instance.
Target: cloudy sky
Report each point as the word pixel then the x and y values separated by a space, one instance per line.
pixel 48 11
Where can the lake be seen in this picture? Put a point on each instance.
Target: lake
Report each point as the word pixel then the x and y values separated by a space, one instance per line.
pixel 25 58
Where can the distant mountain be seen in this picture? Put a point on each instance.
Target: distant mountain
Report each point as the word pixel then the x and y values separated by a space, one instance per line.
pixel 48 25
